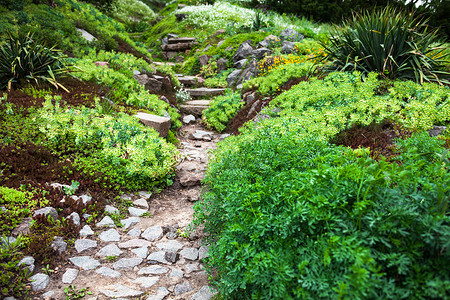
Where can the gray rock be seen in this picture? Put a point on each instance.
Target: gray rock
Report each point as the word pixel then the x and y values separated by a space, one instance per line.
pixel 135 243
pixel 127 263
pixel 157 257
pixel 144 194
pixel 59 244
pixel 188 119
pixel 86 199
pixel 10 298
pixel 261 52
pixel 240 63
pixel 153 270
pixel 125 197
pixel 249 71
pixel 86 231
pixel 171 256
pixel 177 273
pixel 437 130
pixel 23 228
pixel 242 52
pixel 39 281
pixel 110 235
pixel 222 64
pixel 85 262
pixel 104 271
pixel 46 296
pixel 153 233
pixel 204 293
pixel 203 59
pixel 75 218
pixel 137 212
pixel 160 124
pixel 160 294
pixel 135 232
pixel 47 211
pixel 106 222
pixel 192 267
pixel 28 261
pixel 221 138
pixel 172 235
pixel 173 246
pixel 111 210
pixel 268 41
pixel 136 72
pixel 141 252
pixel 233 77
pixel 287 47
pixel 203 252
pixel 182 288
pixel 154 85
pixel 189 253
pixel 109 250
pixel 191 180
pixel 70 275
pixel 86 35
pixel 146 282
pixel 84 244
pixel 119 290
pixel 127 223
pixel 291 35
pixel 250 99
pixel 7 241
pixel 141 202
pixel 201 135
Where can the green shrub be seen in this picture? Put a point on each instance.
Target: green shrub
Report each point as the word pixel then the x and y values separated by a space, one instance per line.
pixel 222 109
pixel 393 43
pixel 290 216
pixel 23 59
pixel 13 278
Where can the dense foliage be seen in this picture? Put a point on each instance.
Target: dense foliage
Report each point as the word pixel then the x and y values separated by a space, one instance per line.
pixel 221 110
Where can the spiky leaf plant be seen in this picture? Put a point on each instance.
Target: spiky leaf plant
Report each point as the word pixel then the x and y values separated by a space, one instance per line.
pixel 396 44
pixel 24 59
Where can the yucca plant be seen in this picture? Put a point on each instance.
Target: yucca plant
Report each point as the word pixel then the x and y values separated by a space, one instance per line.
pixel 23 59
pixel 396 44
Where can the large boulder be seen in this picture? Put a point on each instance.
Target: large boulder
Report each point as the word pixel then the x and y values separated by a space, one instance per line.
pixel 242 52
pixel 233 77
pixel 261 52
pixel 291 35
pixel 268 41
pixel 249 72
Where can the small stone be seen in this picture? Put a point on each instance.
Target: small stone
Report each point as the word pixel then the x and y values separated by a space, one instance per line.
pixel 127 223
pixel 109 250
pixel 85 198
pixel 47 211
pixel 188 119
pixel 23 228
pixel 111 210
pixel 125 197
pixel 59 244
pixel 182 288
pixel 137 212
pixel 192 267
pixel 191 180
pixel 160 294
pixel 104 271
pixel 173 246
pixel 135 243
pixel 145 194
pixel 203 294
pixel 110 235
pixel 135 232
pixel 157 257
pixel 28 261
pixel 127 263
pixel 86 231
pixel 177 273
pixel 203 252
pixel 153 233
pixel 189 253
pixel 146 282
pixel 118 291
pixel 223 136
pixel 171 256
pixel 171 235
pixel 106 222
pixel 75 218
pixel 70 275
pixel 153 270
pixel 39 282
pixel 85 262
pixel 141 252
pixel 84 244
pixel 46 296
pixel 141 203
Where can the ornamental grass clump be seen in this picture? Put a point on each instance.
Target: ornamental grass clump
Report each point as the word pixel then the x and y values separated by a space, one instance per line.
pixel 393 43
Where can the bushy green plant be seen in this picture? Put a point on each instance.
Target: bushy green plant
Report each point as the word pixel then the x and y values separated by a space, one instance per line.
pixel 218 81
pixel 124 10
pixel 23 59
pixel 222 109
pixel 393 43
pixel 129 153
pixel 290 216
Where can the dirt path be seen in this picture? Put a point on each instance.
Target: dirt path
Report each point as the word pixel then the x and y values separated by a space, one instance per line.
pixel 151 258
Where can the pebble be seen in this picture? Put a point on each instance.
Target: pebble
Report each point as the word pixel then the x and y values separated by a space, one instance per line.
pixel 188 119
pixel 110 235
pixel 153 233
pixel 105 271
pixel 84 244
pixel 109 250
pixel 70 275
pixel 86 231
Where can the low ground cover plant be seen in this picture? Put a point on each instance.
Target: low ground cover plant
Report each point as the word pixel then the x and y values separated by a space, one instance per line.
pixel 222 109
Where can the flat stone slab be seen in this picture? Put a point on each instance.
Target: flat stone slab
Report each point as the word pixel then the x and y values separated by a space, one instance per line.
pixel 161 293
pixel 146 282
pixel 105 271
pixel 86 35
pixel 39 281
pixel 153 233
pixel 110 235
pixel 195 110
pixel 188 119
pixel 157 257
pixel 135 232
pixel 199 102
pixel 171 245
pixel 128 222
pixel 70 275
pixel 188 80
pixel 153 270
pixel 119 291
pixel 203 294
pixel 189 253
pixel 127 263
pixel 203 252
pixel 109 250
pixel 141 202
pixel 160 124
pixel 135 243
pixel 182 288
pixel 193 267
pixel 141 252
pixel 137 212
pixel 181 40
pixel 84 244
pixel 202 92
pixel 85 262
pixel 111 209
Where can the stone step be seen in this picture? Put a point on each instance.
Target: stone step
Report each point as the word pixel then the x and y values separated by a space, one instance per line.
pixel 160 124
pixel 176 47
pixel 181 40
pixel 201 92
pixel 160 63
pixel 195 107
pixel 188 80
